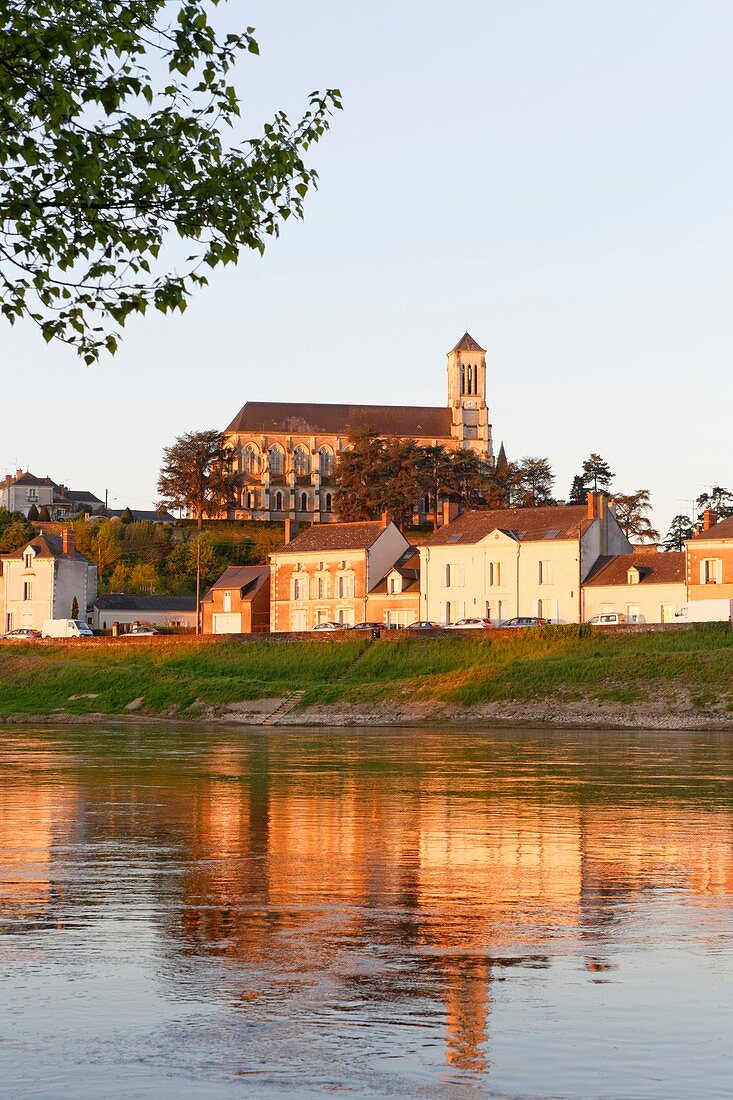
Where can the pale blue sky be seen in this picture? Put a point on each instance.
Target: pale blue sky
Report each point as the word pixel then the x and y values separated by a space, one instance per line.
pixel 554 176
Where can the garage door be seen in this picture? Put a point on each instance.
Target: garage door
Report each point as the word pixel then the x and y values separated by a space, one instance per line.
pixel 227 624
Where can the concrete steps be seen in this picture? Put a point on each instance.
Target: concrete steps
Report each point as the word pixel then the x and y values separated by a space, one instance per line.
pixel 288 704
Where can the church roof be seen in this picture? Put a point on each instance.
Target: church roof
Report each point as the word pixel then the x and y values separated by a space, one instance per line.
pixel 279 417
pixel 467 343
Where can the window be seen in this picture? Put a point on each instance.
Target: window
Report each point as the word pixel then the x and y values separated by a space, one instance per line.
pixel 494 574
pixel 304 502
pixel 321 615
pixel 27 590
pixel 455 576
pixel 277 462
pixel 227 601
pixel 395 585
pixel 346 616
pixel 325 462
pixel 251 460
pixel 28 559
pixel 322 586
pixel 632 576
pixel 345 586
pixel 328 503
pixel 301 462
pixel 494 611
pixel 711 571
pixel 633 613
pixel 32 494
pixel 278 502
pixel 544 572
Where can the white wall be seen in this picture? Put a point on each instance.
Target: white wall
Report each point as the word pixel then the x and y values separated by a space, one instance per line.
pixel 382 555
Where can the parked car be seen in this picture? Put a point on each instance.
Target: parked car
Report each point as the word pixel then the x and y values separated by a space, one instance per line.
pixel 525 620
pixel 470 624
pixel 423 624
pixel 331 626
pixel 140 632
pixel 609 618
pixel 65 628
pixel 22 634
pixel 367 626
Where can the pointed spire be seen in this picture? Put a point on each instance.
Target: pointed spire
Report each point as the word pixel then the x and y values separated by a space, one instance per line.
pixel 502 463
pixel 467 343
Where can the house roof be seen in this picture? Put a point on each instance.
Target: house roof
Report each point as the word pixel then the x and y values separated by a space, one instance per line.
pixel 721 530
pixel 335 536
pixel 26 478
pixel 654 568
pixel 249 579
pixel 275 417
pixel 467 343
pixel 408 566
pixel 47 546
pixel 76 496
pixel 522 524
pixel 120 601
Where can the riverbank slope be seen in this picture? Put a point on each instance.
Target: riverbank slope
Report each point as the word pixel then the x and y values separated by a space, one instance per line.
pixel 562 675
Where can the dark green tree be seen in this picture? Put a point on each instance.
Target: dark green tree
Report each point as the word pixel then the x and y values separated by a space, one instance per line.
pixel 680 529
pixel 74 608
pixel 33 513
pixel 359 495
pixel 112 149
pixel 16 533
pixel 578 490
pixel 44 515
pixel 718 500
pixel 196 475
pixel 399 479
pixel 597 473
pixel 436 477
pixel 127 516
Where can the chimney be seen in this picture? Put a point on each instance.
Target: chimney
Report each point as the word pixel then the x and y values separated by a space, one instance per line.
pixel 291 529
pixel 68 543
pixel 593 505
pixel 18 473
pixel 709 519
pixel 450 511
pixel 386 518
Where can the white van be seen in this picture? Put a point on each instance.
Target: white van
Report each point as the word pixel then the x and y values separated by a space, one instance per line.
pixel 609 618
pixel 65 628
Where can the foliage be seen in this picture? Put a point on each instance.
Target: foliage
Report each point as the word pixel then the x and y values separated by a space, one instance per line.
pixel 74 609
pixel 631 513
pixel 111 149
pixel 126 516
pixel 358 468
pixel 718 500
pixel 597 473
pixel 533 481
pixel 196 474
pixel 44 515
pixel 680 529
pixel 33 513
pixel 105 549
pixel 15 531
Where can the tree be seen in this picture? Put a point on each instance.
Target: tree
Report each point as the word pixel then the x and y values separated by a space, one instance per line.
pixel 44 515
pixel 631 514
pixel 718 500
pixel 436 477
pixel 399 479
pixel 358 494
pixel 578 490
pixel 32 513
pixel 127 516
pixel 112 149
pixel 597 473
pixel 106 547
pixel 16 533
pixel 680 529
pixel 533 482
pixel 74 608
pixel 196 474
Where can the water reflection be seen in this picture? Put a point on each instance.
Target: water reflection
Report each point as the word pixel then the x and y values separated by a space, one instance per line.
pixel 370 895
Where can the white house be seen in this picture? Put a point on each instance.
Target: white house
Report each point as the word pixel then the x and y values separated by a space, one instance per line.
pixel 646 586
pixel 42 580
pixel 506 562
pixel 119 607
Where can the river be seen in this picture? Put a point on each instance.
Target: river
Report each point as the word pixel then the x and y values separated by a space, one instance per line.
pixel 215 913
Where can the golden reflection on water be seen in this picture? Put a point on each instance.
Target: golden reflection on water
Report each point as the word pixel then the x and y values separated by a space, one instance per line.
pixel 286 866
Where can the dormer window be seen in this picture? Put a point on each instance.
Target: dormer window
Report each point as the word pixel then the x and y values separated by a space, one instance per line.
pixel 395 584
pixel 28 559
pixel 632 577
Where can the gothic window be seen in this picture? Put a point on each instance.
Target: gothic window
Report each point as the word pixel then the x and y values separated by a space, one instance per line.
pixel 301 462
pixel 304 502
pixel 277 462
pixel 328 503
pixel 278 502
pixel 251 460
pixel 325 460
pixel 463 380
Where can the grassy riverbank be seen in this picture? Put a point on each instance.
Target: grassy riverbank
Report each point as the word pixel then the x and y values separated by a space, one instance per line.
pixel 686 670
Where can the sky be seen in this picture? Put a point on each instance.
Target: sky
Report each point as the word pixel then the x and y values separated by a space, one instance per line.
pixel 554 177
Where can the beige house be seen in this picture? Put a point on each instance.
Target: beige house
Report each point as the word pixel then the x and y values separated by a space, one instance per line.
pixel 126 610
pixel 517 561
pixel 284 454
pixel 23 491
pixel 328 573
pixel 646 586
pixel 42 580
pixel 238 602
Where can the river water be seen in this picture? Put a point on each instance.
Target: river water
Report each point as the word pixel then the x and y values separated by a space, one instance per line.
pixel 227 913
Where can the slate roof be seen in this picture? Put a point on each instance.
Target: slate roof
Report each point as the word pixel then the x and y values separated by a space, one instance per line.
pixel 654 568
pixel 27 479
pixel 408 566
pixel 523 524
pixel 47 546
pixel 467 343
pixel 247 578
pixel 721 530
pixel 335 536
pixel 77 496
pixel 277 418
pixel 120 601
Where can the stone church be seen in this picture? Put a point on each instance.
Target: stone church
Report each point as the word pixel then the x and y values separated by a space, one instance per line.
pixel 285 453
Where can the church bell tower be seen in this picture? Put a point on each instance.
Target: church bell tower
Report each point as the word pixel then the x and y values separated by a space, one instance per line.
pixel 467 396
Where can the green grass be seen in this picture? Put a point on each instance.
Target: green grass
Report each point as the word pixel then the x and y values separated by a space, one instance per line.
pixel 556 662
